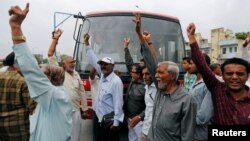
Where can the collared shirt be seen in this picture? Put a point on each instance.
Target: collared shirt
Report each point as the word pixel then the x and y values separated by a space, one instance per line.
pixel 15 106
pixel 110 92
pixel 149 101
pixel 219 78
pixel 75 89
pixel 203 99
pixel 4 69
pixel 189 81
pixel 227 111
pixel 94 87
pixel 173 114
pixel 171 121
pixel 248 83
pixel 134 103
pixel 52 120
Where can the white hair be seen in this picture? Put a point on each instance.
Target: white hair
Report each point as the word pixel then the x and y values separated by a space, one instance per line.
pixel 172 68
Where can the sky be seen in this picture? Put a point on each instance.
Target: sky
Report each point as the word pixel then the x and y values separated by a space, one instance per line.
pixel 39 23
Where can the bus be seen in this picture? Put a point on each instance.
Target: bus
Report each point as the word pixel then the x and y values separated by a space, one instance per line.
pixel 108 29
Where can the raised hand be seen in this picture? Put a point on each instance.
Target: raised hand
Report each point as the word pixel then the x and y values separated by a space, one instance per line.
pixel 147 36
pixel 86 39
pixel 191 29
pixel 246 41
pixel 126 42
pixel 57 34
pixel 190 33
pixel 17 15
pixel 137 21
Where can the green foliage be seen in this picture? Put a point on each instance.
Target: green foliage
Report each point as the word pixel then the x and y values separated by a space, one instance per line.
pixel 45 61
pixel 39 58
pixel 241 35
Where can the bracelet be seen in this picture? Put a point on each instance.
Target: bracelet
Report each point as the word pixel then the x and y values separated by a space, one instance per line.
pixel 150 43
pixel 55 39
pixel 19 38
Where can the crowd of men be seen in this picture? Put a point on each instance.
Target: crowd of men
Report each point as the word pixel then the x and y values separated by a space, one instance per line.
pixel 48 102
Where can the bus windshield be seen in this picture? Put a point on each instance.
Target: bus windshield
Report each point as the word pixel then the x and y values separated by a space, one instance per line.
pixel 108 31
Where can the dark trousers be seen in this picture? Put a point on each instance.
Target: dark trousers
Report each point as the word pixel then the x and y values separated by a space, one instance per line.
pixel 102 134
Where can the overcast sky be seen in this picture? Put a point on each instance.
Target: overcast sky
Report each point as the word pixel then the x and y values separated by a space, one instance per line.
pixel 206 14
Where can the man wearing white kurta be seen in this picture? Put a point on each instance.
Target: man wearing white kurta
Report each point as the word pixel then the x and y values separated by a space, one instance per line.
pixel 73 85
pixel 74 88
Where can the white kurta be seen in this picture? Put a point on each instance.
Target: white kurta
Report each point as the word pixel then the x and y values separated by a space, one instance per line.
pixel 53 115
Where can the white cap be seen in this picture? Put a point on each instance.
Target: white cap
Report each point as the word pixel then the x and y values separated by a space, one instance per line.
pixel 106 60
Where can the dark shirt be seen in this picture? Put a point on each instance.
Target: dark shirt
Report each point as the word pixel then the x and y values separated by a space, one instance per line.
pixel 227 111
pixel 134 102
pixel 128 59
pixel 15 107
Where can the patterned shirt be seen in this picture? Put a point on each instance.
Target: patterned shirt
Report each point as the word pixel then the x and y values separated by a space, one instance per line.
pixel 189 81
pixel 227 111
pixel 15 107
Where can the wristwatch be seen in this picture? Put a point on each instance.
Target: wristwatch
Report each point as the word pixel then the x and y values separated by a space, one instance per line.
pixel 19 38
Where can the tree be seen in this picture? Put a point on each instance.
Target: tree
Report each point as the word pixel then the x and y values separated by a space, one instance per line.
pixel 45 61
pixel 39 58
pixel 241 35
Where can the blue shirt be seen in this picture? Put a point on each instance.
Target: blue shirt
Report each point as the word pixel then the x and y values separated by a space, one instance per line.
pixel 110 92
pixel 203 99
pixel 53 115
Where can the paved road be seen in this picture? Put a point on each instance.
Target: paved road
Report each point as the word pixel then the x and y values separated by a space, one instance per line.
pixel 87 134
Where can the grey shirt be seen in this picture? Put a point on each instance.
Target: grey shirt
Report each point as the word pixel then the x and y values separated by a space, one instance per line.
pixel 173 117
pixel 174 114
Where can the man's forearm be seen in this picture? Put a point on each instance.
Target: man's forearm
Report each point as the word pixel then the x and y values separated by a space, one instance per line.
pixel 52 47
pixel 16 31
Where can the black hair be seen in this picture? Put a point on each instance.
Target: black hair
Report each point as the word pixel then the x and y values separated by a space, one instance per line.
pixel 9 60
pixel 187 58
pixel 237 61
pixel 138 68
pixel 214 66
pixel 207 58
pixel 142 60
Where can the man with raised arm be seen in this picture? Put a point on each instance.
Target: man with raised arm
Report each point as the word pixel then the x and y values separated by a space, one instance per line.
pixel 231 99
pixel 52 119
pixel 109 98
pixel 74 87
pixel 174 110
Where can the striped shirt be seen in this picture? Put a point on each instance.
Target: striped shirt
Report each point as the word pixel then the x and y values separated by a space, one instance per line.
pixel 15 107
